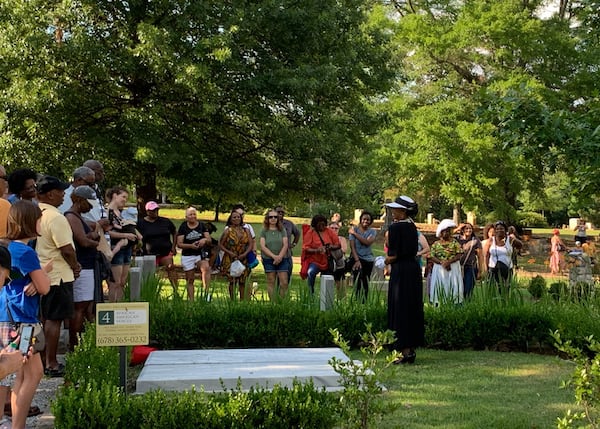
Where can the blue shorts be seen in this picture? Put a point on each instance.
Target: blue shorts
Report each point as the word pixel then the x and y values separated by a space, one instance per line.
pixel 283 266
pixel 122 257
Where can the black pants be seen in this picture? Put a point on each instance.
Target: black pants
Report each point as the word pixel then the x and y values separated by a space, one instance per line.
pixel 361 279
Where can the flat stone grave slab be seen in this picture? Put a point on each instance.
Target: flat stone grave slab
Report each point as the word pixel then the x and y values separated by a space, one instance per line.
pixel 214 370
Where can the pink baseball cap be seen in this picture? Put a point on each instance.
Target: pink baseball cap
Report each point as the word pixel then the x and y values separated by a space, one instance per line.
pixel 151 205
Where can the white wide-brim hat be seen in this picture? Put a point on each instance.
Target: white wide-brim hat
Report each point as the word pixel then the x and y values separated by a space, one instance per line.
pixel 444 224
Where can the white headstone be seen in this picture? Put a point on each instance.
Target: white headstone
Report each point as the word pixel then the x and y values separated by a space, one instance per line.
pixel 327 293
pixel 135 283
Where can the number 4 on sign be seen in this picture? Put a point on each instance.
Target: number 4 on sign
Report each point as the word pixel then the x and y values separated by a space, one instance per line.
pixel 106 317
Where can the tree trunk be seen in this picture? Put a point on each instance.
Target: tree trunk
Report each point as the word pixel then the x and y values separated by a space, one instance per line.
pixel 145 188
pixel 217 208
pixel 456 213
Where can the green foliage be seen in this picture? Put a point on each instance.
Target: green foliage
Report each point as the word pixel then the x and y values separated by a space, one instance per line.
pixel 585 381
pixel 89 363
pixel 362 381
pixel 96 404
pixel 264 100
pixel 580 292
pixel 183 324
pixel 104 406
pixel 531 219
pixel 537 287
pixel 559 290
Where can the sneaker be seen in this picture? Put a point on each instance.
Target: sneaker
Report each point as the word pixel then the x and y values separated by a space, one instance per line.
pixel 208 297
pixel 215 272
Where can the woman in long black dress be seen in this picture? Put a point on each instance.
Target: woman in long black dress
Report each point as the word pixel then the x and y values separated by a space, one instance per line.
pixel 405 292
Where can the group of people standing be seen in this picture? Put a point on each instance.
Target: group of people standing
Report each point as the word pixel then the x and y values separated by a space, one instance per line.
pixel 459 258
pixel 238 244
pixel 50 267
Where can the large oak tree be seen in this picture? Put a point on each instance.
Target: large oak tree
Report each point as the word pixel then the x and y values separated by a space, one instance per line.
pixel 224 101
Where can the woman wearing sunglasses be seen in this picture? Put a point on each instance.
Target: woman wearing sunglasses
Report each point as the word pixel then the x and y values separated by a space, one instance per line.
pixel 274 247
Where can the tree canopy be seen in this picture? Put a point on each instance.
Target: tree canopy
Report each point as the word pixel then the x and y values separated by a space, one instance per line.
pixel 489 105
pixel 224 100
pixel 493 101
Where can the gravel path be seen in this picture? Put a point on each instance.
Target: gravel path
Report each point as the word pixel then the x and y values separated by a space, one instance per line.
pixel 45 393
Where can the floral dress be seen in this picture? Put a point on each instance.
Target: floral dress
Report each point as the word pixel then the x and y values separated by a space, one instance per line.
pixel 236 242
pixel 446 285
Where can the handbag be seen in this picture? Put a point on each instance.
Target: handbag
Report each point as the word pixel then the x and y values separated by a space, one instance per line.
pixel 330 258
pixel 252 260
pixel 338 259
pixel 237 268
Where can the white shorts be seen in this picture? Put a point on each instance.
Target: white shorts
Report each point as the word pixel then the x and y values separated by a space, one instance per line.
pixel 189 262
pixel 83 286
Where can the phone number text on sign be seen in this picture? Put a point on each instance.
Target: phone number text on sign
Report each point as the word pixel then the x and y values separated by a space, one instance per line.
pixel 122 324
pixel 117 340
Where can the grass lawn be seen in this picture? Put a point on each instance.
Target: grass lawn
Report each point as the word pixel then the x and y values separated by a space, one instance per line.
pixel 448 389
pixel 478 389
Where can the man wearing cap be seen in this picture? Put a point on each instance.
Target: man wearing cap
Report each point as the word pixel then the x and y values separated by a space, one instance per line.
pixel 55 244
pixel 291 230
pixel 4 204
pixel 81 176
pixel 86 242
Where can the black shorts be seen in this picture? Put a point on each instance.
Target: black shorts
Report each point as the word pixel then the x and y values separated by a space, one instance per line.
pixel 58 303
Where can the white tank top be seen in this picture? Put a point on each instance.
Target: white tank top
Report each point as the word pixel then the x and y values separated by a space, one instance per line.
pixel 501 253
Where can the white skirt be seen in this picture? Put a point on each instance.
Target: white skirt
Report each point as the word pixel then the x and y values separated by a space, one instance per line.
pixel 446 286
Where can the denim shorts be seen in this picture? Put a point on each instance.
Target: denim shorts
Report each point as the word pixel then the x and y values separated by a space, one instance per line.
pixel 122 257
pixel 283 266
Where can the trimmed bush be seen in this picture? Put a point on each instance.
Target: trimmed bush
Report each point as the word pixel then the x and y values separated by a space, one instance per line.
pixel 559 290
pixel 537 287
pixel 193 325
pixel 104 406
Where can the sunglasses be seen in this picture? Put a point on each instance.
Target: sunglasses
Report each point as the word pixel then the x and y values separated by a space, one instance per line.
pixel 333 227
pixel 274 217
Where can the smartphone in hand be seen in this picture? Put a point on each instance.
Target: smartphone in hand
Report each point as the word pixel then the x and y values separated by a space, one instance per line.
pixel 26 337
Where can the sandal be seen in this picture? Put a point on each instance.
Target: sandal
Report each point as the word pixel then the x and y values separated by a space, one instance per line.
pixel 34 410
pixel 59 371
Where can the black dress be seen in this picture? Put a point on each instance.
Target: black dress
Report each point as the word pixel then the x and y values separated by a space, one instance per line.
pixel 405 292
